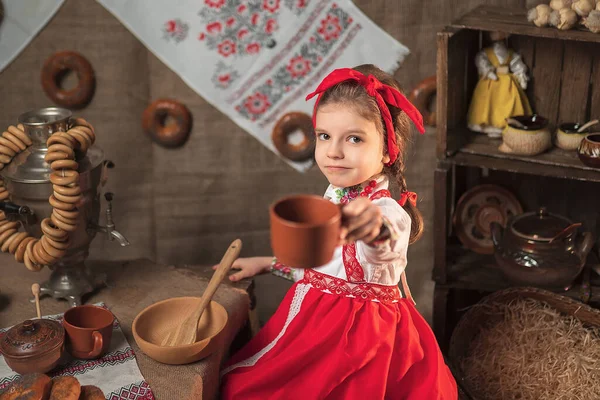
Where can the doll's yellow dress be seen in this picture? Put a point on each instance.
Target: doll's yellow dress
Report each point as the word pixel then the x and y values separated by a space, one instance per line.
pixel 495 100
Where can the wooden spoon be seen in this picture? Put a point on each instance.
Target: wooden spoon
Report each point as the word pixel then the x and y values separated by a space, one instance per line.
pixel 186 332
pixel 585 126
pixel 35 289
pixel 513 121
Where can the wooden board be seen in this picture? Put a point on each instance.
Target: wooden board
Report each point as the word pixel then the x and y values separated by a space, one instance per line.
pixel 442 93
pixel 442 178
pixel 525 47
pixel 546 75
pixel 483 151
pixel 575 82
pixel 456 59
pixel 514 21
pixel 595 94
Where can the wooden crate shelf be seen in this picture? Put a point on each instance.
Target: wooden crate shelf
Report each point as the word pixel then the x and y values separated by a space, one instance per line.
pixel 563 66
pixel 471 271
pixel 493 18
pixel 564 86
pixel 479 150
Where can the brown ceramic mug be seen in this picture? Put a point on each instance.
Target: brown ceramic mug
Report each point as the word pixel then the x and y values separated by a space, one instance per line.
pixel 89 331
pixel 305 230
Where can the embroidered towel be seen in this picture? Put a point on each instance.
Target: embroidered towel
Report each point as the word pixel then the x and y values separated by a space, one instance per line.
pixel 256 60
pixel 20 21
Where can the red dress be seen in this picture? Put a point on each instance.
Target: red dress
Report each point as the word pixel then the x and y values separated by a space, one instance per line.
pixel 334 338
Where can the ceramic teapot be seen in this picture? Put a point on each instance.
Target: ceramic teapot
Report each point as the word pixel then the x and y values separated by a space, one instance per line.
pixel 541 249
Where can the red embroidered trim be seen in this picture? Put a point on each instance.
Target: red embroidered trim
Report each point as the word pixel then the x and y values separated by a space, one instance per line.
pixel 354 270
pixel 340 287
pixel 380 193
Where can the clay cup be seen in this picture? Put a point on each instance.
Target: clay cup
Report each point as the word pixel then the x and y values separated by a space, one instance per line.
pixel 89 331
pixel 305 230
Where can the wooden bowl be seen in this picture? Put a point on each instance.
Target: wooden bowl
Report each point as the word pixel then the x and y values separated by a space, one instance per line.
pixel 154 322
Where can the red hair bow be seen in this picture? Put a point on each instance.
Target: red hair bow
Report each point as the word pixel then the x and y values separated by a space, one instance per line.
pixel 382 93
pixel 410 196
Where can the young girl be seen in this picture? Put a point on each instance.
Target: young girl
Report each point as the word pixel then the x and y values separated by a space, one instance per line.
pixel 344 330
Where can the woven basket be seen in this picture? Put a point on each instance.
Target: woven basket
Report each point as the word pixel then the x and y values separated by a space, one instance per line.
pixel 469 325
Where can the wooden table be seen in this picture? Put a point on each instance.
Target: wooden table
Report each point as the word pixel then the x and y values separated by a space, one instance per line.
pixel 132 286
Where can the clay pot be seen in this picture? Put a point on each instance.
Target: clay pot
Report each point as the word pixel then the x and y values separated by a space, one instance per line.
pixel 589 150
pixel 541 249
pixel 526 135
pixel 89 331
pixel 567 137
pixel 305 230
pixel 33 346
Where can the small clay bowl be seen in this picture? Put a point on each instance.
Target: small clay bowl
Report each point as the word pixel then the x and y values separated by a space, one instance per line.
pixel 155 322
pixel 33 346
pixel 589 150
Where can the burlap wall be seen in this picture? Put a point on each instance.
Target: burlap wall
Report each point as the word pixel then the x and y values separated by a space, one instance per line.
pixel 186 205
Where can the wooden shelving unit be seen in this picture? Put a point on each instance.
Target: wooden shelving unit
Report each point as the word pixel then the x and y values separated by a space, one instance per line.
pixel 564 67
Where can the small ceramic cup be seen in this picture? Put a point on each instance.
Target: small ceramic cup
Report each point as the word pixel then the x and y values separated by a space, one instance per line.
pixel 305 230
pixel 89 331
pixel 589 150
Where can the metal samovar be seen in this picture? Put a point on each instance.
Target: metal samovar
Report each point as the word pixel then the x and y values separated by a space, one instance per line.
pixel 27 179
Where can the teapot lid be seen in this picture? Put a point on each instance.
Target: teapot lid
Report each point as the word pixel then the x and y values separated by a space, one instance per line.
pixel 29 166
pixel 31 338
pixel 539 225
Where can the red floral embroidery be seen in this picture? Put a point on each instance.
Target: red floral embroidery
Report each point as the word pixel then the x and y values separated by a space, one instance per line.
pixel 201 36
pixel 224 79
pixel 354 270
pixel 226 48
pixel 298 66
pixel 214 3
pixel 340 287
pixel 271 26
pixel 258 103
pixel 255 19
pixel 176 30
pixel 214 27
pixel 230 21
pixel 253 48
pixel 282 270
pixel 381 193
pixel 242 33
pixel 301 3
pixel 241 8
pixel 271 5
pixel 330 28
pixel 171 25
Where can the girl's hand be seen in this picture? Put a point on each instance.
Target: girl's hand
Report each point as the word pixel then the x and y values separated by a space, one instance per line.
pixel 361 220
pixel 249 267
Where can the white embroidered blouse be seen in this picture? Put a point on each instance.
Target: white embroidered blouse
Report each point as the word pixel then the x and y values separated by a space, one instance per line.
pixel 382 263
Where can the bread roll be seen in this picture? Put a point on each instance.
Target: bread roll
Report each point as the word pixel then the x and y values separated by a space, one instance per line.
pixel 65 388
pixel 30 387
pixel 90 392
